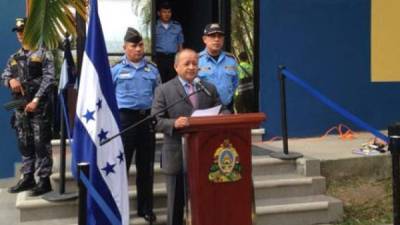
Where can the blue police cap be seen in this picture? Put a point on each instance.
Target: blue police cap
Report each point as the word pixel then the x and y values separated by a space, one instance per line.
pixel 213 28
pixel 164 5
pixel 132 35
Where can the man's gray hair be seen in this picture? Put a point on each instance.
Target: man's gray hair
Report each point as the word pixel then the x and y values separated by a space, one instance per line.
pixel 178 54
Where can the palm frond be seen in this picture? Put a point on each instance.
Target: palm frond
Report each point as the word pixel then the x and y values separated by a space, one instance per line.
pixel 49 20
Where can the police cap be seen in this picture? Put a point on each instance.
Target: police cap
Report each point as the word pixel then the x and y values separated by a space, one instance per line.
pixel 213 28
pixel 164 5
pixel 132 35
pixel 19 24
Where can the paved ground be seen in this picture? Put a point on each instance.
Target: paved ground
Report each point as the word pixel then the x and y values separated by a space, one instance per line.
pixel 337 157
pixel 326 148
pixel 8 213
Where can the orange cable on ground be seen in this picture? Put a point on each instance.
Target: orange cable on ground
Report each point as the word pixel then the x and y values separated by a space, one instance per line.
pixel 276 138
pixel 344 132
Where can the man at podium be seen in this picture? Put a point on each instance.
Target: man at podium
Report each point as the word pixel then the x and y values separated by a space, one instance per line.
pixel 176 118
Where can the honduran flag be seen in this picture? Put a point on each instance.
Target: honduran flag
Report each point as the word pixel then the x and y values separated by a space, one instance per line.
pixel 96 120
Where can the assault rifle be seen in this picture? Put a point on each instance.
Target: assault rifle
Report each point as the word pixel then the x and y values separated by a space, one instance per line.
pixel 19 103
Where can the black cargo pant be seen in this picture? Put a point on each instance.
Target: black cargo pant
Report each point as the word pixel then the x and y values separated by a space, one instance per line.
pixel 34 137
pixel 141 142
pixel 165 65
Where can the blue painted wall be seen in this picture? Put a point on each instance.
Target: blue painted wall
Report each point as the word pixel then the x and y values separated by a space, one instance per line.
pixel 327 44
pixel 10 9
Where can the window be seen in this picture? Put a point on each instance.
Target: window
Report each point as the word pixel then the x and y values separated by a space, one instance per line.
pixel 117 15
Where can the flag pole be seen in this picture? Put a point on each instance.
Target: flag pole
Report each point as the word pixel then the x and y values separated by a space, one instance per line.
pixel 61 195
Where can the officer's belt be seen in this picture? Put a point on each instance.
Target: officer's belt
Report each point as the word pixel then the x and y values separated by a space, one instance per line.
pixel 141 112
pixel 162 54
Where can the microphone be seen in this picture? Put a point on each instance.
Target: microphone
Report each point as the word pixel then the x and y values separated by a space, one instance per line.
pixel 197 81
pixel 152 116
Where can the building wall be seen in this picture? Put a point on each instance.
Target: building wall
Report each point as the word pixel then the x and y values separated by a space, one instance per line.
pixel 10 9
pixel 326 43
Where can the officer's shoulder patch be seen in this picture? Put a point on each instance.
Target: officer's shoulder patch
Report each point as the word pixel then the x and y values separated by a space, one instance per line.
pixel 49 55
pixel 203 53
pixel 230 55
pixel 152 63
pixel 13 57
pixel 176 22
pixel 13 62
pixel 115 63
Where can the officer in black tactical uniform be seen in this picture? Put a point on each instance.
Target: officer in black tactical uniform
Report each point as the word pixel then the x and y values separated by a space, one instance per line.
pixel 29 75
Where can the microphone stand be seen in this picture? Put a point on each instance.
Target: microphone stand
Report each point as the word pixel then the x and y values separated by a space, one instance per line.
pixel 151 116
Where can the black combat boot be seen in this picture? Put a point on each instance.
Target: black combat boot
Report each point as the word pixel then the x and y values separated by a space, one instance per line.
pixel 43 186
pixel 26 183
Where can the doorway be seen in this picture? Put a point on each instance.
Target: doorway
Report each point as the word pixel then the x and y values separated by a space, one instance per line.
pixel 195 15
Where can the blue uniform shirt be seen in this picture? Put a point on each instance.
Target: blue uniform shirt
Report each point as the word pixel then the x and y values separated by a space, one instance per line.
pixel 222 73
pixel 167 40
pixel 135 87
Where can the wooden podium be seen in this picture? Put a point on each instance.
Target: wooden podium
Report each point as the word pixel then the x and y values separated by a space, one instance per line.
pixel 218 162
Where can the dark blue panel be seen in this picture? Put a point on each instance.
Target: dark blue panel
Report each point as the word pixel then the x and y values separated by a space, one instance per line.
pixel 10 9
pixel 327 44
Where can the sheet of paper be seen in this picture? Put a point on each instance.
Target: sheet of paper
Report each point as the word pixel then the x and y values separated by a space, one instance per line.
pixel 207 112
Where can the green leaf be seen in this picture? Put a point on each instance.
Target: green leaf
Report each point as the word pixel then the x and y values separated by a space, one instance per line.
pixel 49 20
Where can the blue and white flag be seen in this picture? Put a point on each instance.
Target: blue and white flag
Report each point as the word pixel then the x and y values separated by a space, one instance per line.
pixel 68 71
pixel 96 120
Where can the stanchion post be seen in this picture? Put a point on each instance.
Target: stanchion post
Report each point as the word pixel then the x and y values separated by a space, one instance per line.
pixel 282 84
pixel 285 155
pixel 394 148
pixel 83 168
pixel 61 195
pixel 62 151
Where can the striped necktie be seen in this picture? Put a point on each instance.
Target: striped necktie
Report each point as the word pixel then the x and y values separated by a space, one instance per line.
pixel 192 98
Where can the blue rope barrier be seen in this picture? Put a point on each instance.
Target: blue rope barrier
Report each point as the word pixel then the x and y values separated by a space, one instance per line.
pixel 335 106
pixel 100 201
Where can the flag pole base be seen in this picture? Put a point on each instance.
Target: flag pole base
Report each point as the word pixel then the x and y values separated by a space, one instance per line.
pixel 58 197
pixel 283 156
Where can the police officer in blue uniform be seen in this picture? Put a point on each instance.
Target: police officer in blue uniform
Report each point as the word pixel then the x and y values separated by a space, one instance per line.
pixel 135 80
pixel 29 75
pixel 218 67
pixel 169 40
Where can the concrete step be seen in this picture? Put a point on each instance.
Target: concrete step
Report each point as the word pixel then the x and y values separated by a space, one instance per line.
pixel 266 187
pixel 262 166
pixel 288 185
pixel 307 210
pixel 270 166
pixel 279 185
pixel 161 218
pixel 36 208
pixel 71 185
pixel 256 137
pixel 58 221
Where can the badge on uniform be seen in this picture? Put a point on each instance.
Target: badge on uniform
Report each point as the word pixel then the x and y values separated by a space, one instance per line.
pixel 124 75
pixel 36 59
pixel 205 68
pixel 147 69
pixel 230 67
pixel 226 166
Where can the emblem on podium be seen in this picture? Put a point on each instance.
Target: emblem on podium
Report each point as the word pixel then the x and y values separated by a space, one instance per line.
pixel 226 165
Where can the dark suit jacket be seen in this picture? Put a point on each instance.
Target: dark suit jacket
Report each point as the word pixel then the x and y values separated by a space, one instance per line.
pixel 164 95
